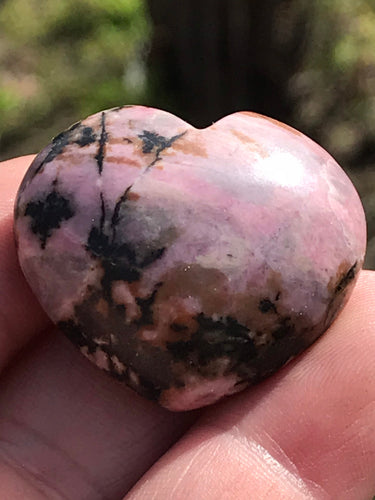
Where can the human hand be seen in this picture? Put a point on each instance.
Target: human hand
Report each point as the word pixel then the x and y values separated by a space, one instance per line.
pixel 68 431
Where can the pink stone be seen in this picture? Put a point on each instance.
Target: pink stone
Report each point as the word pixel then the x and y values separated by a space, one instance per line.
pixel 188 263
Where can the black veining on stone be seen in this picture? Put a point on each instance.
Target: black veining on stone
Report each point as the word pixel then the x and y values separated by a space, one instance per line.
pixel 144 386
pixel 99 157
pixel 57 147
pixel 152 143
pixel 178 327
pixel 87 136
pixel 285 328
pixel 120 259
pixel 119 108
pixel 76 134
pixel 115 219
pixel 217 346
pixel 151 256
pixel 93 330
pixel 274 355
pixel 145 305
pixel 102 213
pixel 76 334
pixel 213 340
pixel 48 213
pixel 266 306
pixel 346 279
pixel 155 143
pixel 338 293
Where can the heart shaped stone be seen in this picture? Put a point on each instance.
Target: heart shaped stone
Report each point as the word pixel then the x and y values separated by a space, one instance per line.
pixel 188 263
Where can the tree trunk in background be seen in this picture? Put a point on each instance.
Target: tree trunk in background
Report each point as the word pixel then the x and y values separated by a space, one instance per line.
pixel 214 57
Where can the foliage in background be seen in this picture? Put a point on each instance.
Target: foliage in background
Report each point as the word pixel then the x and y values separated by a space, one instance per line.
pixel 334 90
pixel 61 61
pixel 334 93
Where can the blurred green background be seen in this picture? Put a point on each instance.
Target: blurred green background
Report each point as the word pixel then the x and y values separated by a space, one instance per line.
pixel 309 64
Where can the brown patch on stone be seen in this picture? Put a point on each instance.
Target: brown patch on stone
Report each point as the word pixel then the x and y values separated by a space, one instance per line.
pixel 173 321
pixel 263 311
pixel 190 290
pixel 275 122
pixel 134 288
pixel 92 332
pixel 70 158
pixel 252 114
pixel 185 292
pixel 250 143
pixel 133 196
pixel 209 286
pixel 247 303
pixel 129 162
pixel 182 324
pixel 275 284
pixel 242 137
pixel 138 148
pixel 246 310
pixel 102 307
pixel 188 144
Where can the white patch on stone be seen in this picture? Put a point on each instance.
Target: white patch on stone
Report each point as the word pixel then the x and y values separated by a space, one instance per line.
pixel 133 378
pixel 262 339
pixel 281 168
pixel 217 256
pixel 99 357
pixel 118 366
pixel 101 341
pixel 84 350
pixel 121 294
pixel 149 335
pixel 199 392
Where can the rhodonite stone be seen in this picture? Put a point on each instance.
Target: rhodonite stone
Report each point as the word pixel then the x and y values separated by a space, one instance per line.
pixel 188 263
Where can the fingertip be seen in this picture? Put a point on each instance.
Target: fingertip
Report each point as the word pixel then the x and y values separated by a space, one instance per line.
pixel 21 316
pixel 11 174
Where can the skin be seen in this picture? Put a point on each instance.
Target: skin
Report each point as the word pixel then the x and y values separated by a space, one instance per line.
pixel 68 431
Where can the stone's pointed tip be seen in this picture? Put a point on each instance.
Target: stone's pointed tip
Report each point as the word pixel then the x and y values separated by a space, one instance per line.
pixel 188 263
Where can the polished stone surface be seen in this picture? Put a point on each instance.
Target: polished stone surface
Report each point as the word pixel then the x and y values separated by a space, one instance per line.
pixel 188 263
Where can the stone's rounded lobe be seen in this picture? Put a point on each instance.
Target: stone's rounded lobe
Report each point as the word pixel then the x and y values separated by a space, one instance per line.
pixel 188 263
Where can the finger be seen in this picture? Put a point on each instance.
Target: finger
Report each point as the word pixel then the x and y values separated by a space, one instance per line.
pixel 308 432
pixel 21 317
pixel 69 431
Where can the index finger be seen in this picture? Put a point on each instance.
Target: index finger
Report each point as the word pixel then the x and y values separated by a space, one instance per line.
pixel 21 317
